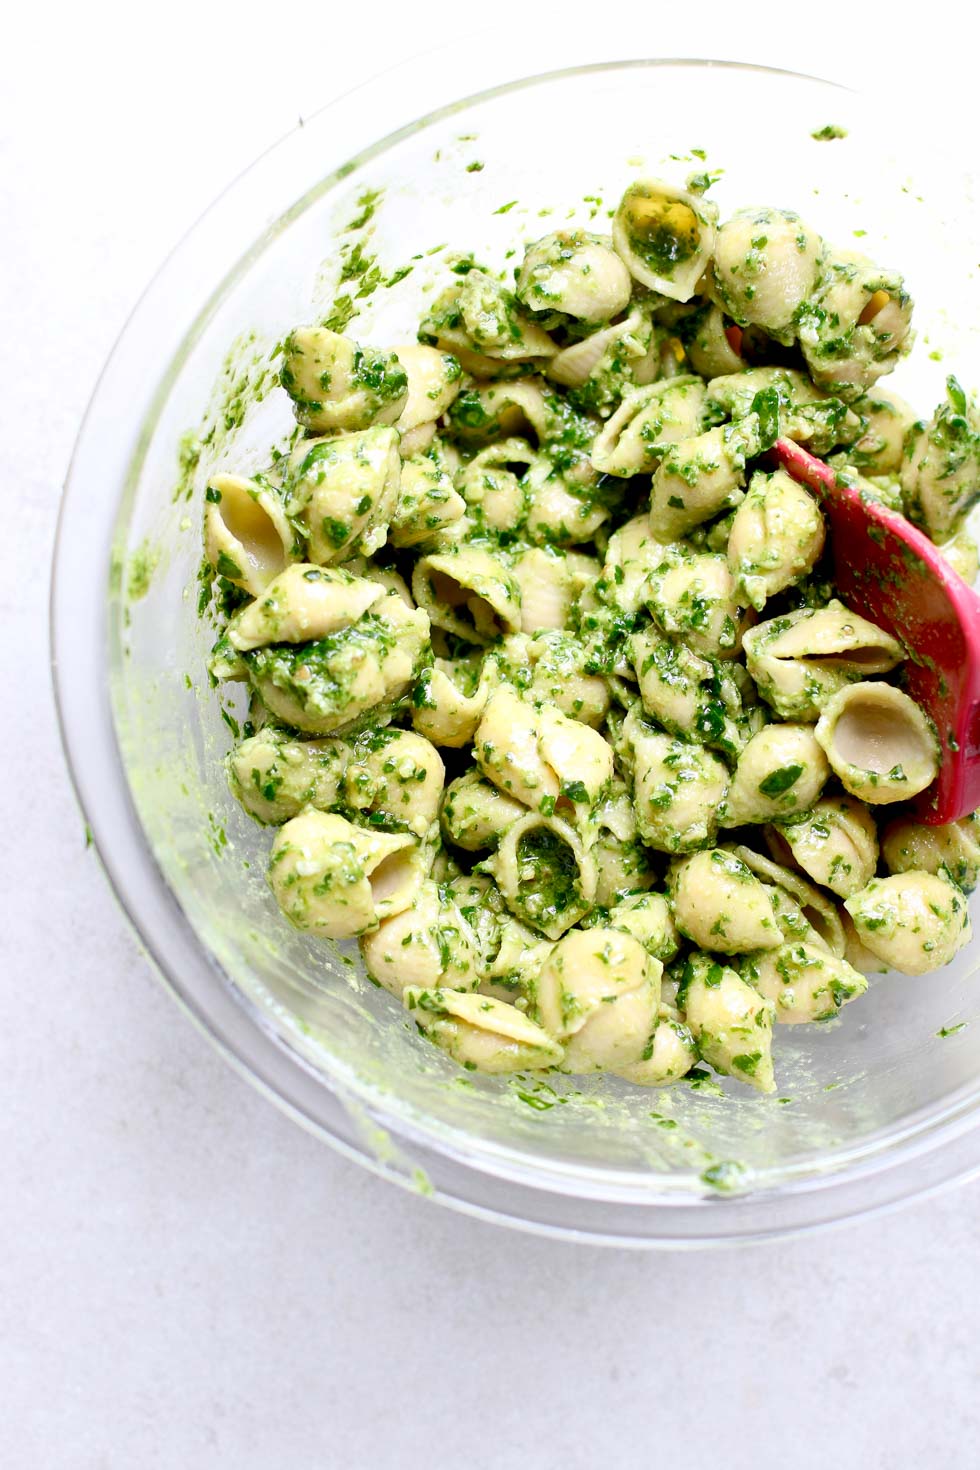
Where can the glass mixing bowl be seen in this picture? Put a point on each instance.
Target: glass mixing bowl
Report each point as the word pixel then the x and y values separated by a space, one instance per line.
pixel 872 1108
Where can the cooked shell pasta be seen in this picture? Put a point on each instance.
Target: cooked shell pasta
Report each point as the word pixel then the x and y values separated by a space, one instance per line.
pixel 247 536
pixel 672 1054
pixel 719 904
pixel 802 911
pixel 695 598
pixel 690 694
pixel 624 865
pixel 433 383
pixel 549 582
pixel 914 921
pixel 776 537
pixel 545 873
pixel 493 485
pixel 699 478
pixel 766 265
pixel 886 419
pixel 710 347
pixel 803 981
pixel 666 237
pixel 648 420
pixel 551 667
pixel 448 701
pixel 330 683
pixel 338 880
pixel 275 777
pixel 648 917
pixel 395 778
pixel 598 993
pixel 907 846
pixel 561 510
pixel 337 385
pixel 731 1022
pixel 469 593
pixel 429 944
pixel 479 322
pixel 857 954
pixel 480 1032
pixel 476 814
pixel 677 788
pixel 836 844
pixel 303 603
pixel 540 756
pixel 879 743
pixel 800 660
pixel 576 274
pixel 344 491
pixel 940 469
pixel 855 326
pixel 600 368
pixel 486 412
pixel 427 502
pixel 780 773
pixel 545 547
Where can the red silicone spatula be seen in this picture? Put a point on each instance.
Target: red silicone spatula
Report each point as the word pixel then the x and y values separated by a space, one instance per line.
pixel 892 574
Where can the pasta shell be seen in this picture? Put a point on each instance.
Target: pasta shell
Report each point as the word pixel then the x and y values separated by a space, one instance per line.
pixel 836 844
pixel 468 592
pixel 955 849
pixel 879 743
pixel 480 323
pixel 429 944
pixel 337 880
pixel 545 873
pixel 598 993
pixel 766 264
pixel 799 661
pixel 330 685
pixel 476 814
pixel 303 603
pixel 481 1032
pixel 818 912
pixel 672 1054
pixel 275 777
pixel 247 536
pixel 915 922
pixel 720 905
pixel 803 982
pixel 776 537
pixel 666 237
pixel 677 787
pixel 434 380
pixel 345 491
pixel 731 1022
pixel 649 419
pixel 337 385
pixel 575 273
pixel 780 773
pixel 856 326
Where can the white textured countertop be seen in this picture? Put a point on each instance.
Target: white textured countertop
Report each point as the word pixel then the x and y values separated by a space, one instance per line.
pixel 186 1278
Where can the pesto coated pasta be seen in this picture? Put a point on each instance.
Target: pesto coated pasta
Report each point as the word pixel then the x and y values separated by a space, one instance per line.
pixel 552 703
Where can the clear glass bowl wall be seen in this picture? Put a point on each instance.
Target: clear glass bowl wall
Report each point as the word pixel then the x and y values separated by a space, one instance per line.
pixel 869 1108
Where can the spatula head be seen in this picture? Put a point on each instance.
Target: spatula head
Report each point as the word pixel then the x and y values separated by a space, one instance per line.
pixel 889 572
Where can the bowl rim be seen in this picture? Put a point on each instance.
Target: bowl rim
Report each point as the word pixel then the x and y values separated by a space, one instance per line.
pixel 936 1146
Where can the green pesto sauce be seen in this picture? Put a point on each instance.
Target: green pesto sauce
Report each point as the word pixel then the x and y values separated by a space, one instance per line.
pixel 662 247
pixel 549 877
pixel 319 675
pixel 142 564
